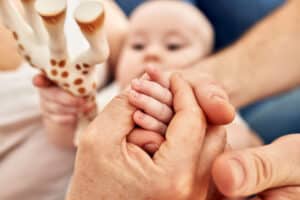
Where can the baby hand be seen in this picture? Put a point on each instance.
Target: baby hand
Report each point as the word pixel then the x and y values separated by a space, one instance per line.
pixel 59 106
pixel 154 103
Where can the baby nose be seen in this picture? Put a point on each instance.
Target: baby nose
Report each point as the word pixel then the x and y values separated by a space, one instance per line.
pixel 153 54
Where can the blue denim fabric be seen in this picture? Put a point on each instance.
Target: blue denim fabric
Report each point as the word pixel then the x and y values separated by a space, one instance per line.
pixel 275 116
pixel 231 18
pixel 128 5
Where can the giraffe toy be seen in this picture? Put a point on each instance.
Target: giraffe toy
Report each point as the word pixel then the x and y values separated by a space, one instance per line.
pixel 41 41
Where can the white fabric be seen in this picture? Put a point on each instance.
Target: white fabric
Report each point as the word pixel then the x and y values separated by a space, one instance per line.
pixel 30 167
pixel 107 94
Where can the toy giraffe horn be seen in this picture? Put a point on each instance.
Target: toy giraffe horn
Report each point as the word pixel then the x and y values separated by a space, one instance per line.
pixel 90 17
pixel 53 13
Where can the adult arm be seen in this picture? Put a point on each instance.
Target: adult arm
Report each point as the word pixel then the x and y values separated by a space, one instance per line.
pixel 265 61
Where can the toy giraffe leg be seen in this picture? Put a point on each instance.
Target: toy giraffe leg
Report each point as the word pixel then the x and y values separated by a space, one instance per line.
pixel 45 46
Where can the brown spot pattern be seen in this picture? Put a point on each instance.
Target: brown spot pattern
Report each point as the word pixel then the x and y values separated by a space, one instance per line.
pixel 81 90
pixel 53 72
pixel 21 47
pixel 15 35
pixel 62 63
pixel 78 67
pixel 27 57
pixel 53 62
pixel 66 85
pixel 78 81
pixel 65 74
pixel 85 72
pixel 86 65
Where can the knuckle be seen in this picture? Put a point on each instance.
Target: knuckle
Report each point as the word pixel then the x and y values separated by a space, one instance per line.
pixel 182 189
pixel 156 126
pixel 169 97
pixel 164 112
pixel 263 166
pixel 121 98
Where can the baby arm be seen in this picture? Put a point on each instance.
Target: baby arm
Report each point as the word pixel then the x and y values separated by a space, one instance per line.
pixel 60 111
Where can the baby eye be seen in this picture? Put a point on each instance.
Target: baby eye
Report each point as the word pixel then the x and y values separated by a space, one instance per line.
pixel 174 47
pixel 138 46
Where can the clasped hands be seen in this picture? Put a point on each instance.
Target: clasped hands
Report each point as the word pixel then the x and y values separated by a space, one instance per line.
pixel 112 165
pixel 109 166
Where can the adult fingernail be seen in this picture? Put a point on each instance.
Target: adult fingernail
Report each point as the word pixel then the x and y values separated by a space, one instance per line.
pixel 238 173
pixel 219 98
pixel 151 147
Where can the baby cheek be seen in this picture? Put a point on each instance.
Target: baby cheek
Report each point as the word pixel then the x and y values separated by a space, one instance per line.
pixel 183 59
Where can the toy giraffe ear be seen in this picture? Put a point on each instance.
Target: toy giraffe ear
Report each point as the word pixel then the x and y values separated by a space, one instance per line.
pixel 53 13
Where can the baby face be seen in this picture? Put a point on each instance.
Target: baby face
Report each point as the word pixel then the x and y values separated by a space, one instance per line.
pixel 166 34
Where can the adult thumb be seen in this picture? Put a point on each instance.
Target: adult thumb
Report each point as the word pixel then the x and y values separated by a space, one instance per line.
pixel 251 171
pixel 185 133
pixel 113 124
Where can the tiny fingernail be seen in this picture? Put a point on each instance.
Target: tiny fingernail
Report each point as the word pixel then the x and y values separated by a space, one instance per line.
pixel 238 173
pixel 134 94
pixel 151 147
pixel 136 82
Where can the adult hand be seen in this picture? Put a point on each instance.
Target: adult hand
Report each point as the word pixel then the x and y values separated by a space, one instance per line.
pixel 109 167
pixel 271 171
pixel 210 95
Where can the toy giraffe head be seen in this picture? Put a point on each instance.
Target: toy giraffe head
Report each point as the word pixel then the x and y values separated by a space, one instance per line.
pixel 48 52
pixel 42 42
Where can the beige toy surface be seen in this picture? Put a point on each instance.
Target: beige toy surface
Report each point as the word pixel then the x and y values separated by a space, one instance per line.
pixel 42 42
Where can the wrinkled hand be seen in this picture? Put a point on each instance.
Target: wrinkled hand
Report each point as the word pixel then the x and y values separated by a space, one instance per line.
pixel 271 171
pixel 157 110
pixel 211 96
pixel 109 167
